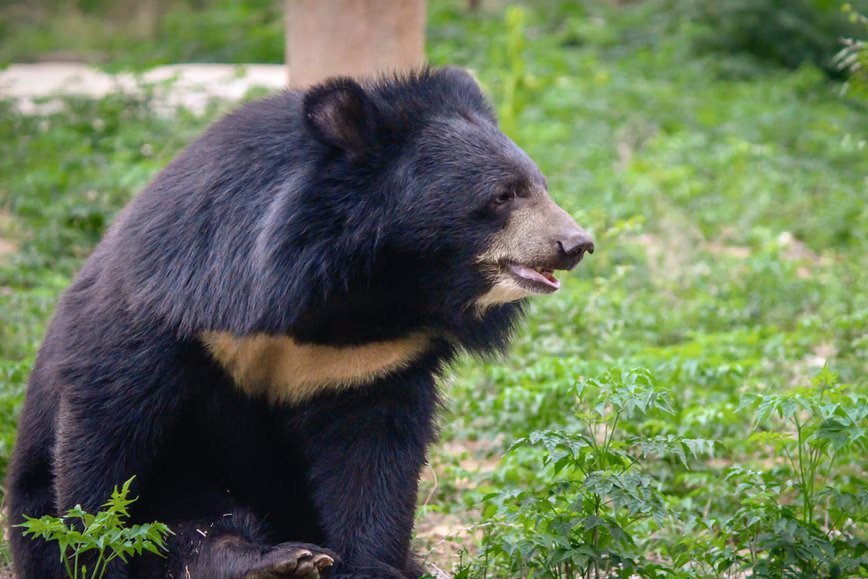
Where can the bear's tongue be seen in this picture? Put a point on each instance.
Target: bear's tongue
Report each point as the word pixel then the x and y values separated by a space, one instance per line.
pixel 530 274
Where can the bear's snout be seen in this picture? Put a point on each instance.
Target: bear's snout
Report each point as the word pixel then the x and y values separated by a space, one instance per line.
pixel 572 246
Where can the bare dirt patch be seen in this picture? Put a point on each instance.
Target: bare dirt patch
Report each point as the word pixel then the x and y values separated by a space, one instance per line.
pixel 7 247
pixel 441 537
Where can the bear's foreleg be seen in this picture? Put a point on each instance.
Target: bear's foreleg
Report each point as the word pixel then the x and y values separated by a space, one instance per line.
pixel 366 448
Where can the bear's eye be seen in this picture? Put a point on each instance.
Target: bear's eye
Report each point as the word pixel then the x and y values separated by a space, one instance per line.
pixel 503 197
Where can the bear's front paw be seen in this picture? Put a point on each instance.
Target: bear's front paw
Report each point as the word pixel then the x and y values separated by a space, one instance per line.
pixel 291 560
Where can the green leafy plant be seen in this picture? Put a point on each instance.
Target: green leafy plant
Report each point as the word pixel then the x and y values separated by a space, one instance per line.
pixel 595 491
pixel 104 536
pixel 803 516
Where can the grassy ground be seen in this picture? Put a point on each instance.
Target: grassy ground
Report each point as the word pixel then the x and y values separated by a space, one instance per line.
pixel 729 201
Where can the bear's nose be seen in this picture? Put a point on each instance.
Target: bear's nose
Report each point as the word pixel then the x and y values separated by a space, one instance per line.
pixel 573 245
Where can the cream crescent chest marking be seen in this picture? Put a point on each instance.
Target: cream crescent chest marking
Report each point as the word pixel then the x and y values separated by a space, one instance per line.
pixel 285 370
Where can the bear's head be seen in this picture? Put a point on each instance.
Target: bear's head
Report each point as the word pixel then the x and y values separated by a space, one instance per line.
pixel 451 214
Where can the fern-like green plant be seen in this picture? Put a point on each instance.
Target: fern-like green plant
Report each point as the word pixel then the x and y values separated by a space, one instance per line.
pixel 104 534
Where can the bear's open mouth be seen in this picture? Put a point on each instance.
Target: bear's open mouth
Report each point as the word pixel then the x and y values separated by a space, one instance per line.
pixel 535 279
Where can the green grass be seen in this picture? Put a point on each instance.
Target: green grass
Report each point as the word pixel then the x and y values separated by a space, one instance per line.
pixel 729 202
pixel 139 34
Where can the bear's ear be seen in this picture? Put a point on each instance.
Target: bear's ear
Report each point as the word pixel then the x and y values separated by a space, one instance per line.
pixel 463 83
pixel 460 78
pixel 340 114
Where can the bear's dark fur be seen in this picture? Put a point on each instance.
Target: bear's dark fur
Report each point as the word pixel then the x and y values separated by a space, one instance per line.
pixel 348 215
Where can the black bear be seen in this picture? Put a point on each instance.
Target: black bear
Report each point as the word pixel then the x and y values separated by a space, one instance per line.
pixel 258 336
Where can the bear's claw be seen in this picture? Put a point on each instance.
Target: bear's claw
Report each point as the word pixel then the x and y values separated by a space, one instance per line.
pixel 291 561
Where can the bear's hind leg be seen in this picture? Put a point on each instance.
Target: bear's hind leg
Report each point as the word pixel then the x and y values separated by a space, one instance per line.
pixel 30 484
pixel 231 544
pixel 226 553
pixel 30 493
